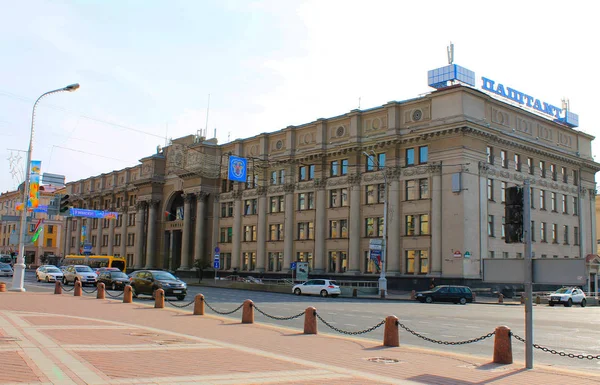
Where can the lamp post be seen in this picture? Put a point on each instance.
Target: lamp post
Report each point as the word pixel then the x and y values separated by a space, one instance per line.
pixel 382 279
pixel 19 273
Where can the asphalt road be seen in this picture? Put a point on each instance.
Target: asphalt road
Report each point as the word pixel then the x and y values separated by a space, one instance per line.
pixel 572 330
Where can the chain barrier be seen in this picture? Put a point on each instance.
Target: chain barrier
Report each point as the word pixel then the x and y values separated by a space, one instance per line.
pixel 89 292
pixel 223 312
pixel 114 295
pixel 562 354
pixel 347 332
pixel 414 333
pixel 278 318
pixel 65 288
pixel 177 305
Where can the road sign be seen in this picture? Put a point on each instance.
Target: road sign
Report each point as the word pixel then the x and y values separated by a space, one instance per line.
pixel 293 266
pixel 302 271
pixel 467 254
pixel 217 249
pixel 457 254
pixel 87 247
pixel 217 257
pixel 376 244
pixel 217 264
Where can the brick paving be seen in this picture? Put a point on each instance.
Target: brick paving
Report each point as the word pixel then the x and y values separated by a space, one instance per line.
pixel 61 339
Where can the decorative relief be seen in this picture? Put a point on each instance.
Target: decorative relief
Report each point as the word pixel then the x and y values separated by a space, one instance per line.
pixel 305 185
pixel 141 205
pixel 193 159
pixel 354 179
pixel 518 177
pixel 418 114
pixel 592 193
pixel 564 188
pixel 217 197
pixel 262 190
pixel 175 158
pixel 484 167
pixel 501 117
pixel 340 131
pixel 574 190
pixel 505 174
pixel 564 140
pixel 337 181
pixel 237 194
pixel 289 187
pixel 582 190
pixel 278 145
pixel 276 189
pixel 306 139
pixel 436 168
pixel 554 185
pixel 202 195
pixel 491 171
pixel 153 203
pixel 524 126
pixel 375 123
pixel 543 183
pixel 249 193
pixel 544 133
pixel 147 169
pixel 394 173
pixel 320 183
pixel 253 150
pixel 372 177
pixel 188 197
pixel 226 196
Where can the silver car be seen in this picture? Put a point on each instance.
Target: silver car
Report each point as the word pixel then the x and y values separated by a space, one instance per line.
pixel 83 273
pixel 48 273
pixel 322 287
pixel 6 270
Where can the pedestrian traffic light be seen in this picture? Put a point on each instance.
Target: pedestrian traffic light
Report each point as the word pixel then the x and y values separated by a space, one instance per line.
pixel 64 204
pixel 513 215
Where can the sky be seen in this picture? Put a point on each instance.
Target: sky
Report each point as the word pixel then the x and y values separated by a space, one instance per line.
pixel 147 67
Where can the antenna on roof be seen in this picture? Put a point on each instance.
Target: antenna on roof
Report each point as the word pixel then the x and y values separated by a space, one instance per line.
pixel 207 110
pixel 450 49
pixel 359 102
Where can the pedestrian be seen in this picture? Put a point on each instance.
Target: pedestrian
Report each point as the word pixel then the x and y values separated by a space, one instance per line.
pixel 432 284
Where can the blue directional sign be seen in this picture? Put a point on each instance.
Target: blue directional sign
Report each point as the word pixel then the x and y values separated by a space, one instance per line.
pixel 237 169
pixel 217 264
pixel 87 247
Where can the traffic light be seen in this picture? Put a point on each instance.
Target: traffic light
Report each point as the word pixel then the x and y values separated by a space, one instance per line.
pixel 64 204
pixel 54 205
pixel 513 215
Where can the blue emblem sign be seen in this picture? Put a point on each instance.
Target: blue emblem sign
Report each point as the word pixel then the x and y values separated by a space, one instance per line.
pixel 237 169
pixel 293 266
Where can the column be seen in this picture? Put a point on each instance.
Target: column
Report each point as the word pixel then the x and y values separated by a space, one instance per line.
pixel 394 219
pixel 68 235
pixel 99 236
pixel 199 245
pixel 151 236
pixel 77 245
pixel 185 239
pixel 354 253
pixel 261 236
pixel 288 242
pixel 592 237
pixel 320 227
pixel 436 221
pixel 236 247
pixel 111 236
pixel 483 204
pixel 138 257
pixel 171 249
pixel 215 224
pixel 123 246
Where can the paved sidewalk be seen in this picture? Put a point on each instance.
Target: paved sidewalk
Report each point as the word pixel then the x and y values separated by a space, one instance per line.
pixel 61 339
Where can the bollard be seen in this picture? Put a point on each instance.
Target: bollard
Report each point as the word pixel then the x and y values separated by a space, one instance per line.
pixel 100 291
pixel 538 299
pixel 522 298
pixel 500 298
pixel 159 299
pixel 77 290
pixel 248 312
pixel 474 297
pixel 391 337
pixel 413 295
pixel 199 304
pixel 2 287
pixel 310 320
pixel 502 346
pixel 382 293
pixel 355 292
pixel 57 288
pixel 127 294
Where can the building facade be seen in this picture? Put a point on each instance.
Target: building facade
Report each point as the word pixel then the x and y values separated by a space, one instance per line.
pixel 316 193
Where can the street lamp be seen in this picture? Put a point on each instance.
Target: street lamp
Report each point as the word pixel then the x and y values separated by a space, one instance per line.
pixel 382 279
pixel 19 273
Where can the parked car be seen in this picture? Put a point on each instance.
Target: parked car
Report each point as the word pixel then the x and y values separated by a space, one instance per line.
pixel 83 273
pixel 567 296
pixel 113 280
pixel 5 269
pixel 446 293
pixel 147 281
pixel 322 287
pixel 48 273
pixel 103 269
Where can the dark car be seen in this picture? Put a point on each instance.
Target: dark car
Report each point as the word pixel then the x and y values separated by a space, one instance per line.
pixel 113 280
pixel 446 293
pixel 147 281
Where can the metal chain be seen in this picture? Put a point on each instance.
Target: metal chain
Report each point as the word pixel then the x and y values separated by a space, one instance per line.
pixel 483 337
pixel 114 295
pixel 223 312
pixel 347 332
pixel 562 354
pixel 65 288
pixel 89 292
pixel 278 318
pixel 180 306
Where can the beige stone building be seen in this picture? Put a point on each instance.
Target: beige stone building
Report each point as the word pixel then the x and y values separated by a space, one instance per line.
pixel 316 192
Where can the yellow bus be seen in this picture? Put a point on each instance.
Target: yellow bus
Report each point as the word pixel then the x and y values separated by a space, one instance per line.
pixel 95 261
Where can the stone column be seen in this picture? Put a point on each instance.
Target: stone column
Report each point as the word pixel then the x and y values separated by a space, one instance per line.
pixel 394 224
pixel 483 213
pixel 355 253
pixel 100 222
pixel 236 247
pixel 592 233
pixel 151 236
pixel 436 220
pixel 288 242
pixel 320 227
pixel 138 257
pixel 78 235
pixel 111 236
pixel 171 249
pixel 261 236
pixel 123 246
pixel 216 229
pixel 187 226
pixel 199 245
pixel 68 235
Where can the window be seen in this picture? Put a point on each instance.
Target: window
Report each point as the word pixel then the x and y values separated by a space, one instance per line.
pixel 275 261
pixel 334 168
pixel 530 165
pixel 504 158
pixel 410 224
pixel 226 209
pixel 411 189
pixel 503 192
pixel 490 189
pixel 543 231
pixel 250 233
pixel 491 225
pixel 517 162
pixel 278 177
pixel 505 254
pixel 250 206
pixel 48 242
pixel 306 201
pixel 424 188
pixel 553 201
pixel 531 197
pixel 226 185
pixel 274 178
pixel 490 254
pixel 565 176
pixel 117 239
pixel 575 206
pixel 410 157
pixel 50 229
pixel 375 162
pixel 277 204
pixel 566 234
pixel 423 261
pixel 344 228
pixel 94 241
pixel 542 199
pixel 304 256
pixel 375 193
pixel 306 230
pixel 423 154
pixel 130 239
pixel 424 224
pixel 564 204
pixel 276 232
pixel 131 220
pixel 344 168
pixel 338 228
pixel 105 240
pixel 502 228
pixel 410 261
pixel 333 229
pixel 542 169
pixel 226 235
pixel 575 178
pixel 490 154
pixel 554 233
pixel 119 221
pixel 248 261
pixel 338 262
pixel 575 235
pixel 306 172
pixel 338 198
pixel 251 180
pixel 553 171
pixel 374 227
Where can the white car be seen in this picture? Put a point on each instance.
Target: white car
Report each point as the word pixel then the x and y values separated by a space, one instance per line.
pixel 6 270
pixel 48 273
pixel 83 273
pixel 322 287
pixel 567 296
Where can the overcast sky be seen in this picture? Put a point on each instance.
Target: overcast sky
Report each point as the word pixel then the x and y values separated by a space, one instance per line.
pixel 146 68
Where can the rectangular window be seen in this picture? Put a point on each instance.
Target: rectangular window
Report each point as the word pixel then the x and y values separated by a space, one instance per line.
pixel 530 165
pixel 344 228
pixel 566 234
pixel 130 239
pixel 504 158
pixel 424 188
pixel 333 229
pixel 490 154
pixel 302 173
pixel 375 193
pixel 281 176
pixel 50 229
pixel 410 224
pixel 248 261
pixel 306 230
pixel 563 173
pixel 94 241
pixel 305 257
pixel 553 201
pixel 543 231
pixel 117 239
pixel 505 254
pixel 226 234
pixel 502 228
pixel 564 204
pixel 338 262
pixel 306 201
pixel 410 157
pixel 423 154
pixel 373 227
pixel 277 204
pixel 381 161
pixel 503 192
pixel 250 233
pixel 542 169
pixel 575 178
pixel 423 262
pixel 48 242
pixel 274 178
pixel 411 189
pixel 490 254
pixel 424 224
pixel 226 185
pixel 344 168
pixel 276 232
pixel 105 240
pixel 250 207
pixel 575 235
pixel 410 261
pixel 531 197
pixel 542 199
pixel 517 162
pixel 334 168
pixel 491 225
pixel 553 171
pixel 554 233
pixel 532 231
pixel 275 261
pixel 490 189
pixel 575 206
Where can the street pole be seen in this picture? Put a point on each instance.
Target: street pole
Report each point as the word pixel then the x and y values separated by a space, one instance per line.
pixel 19 272
pixel 528 276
